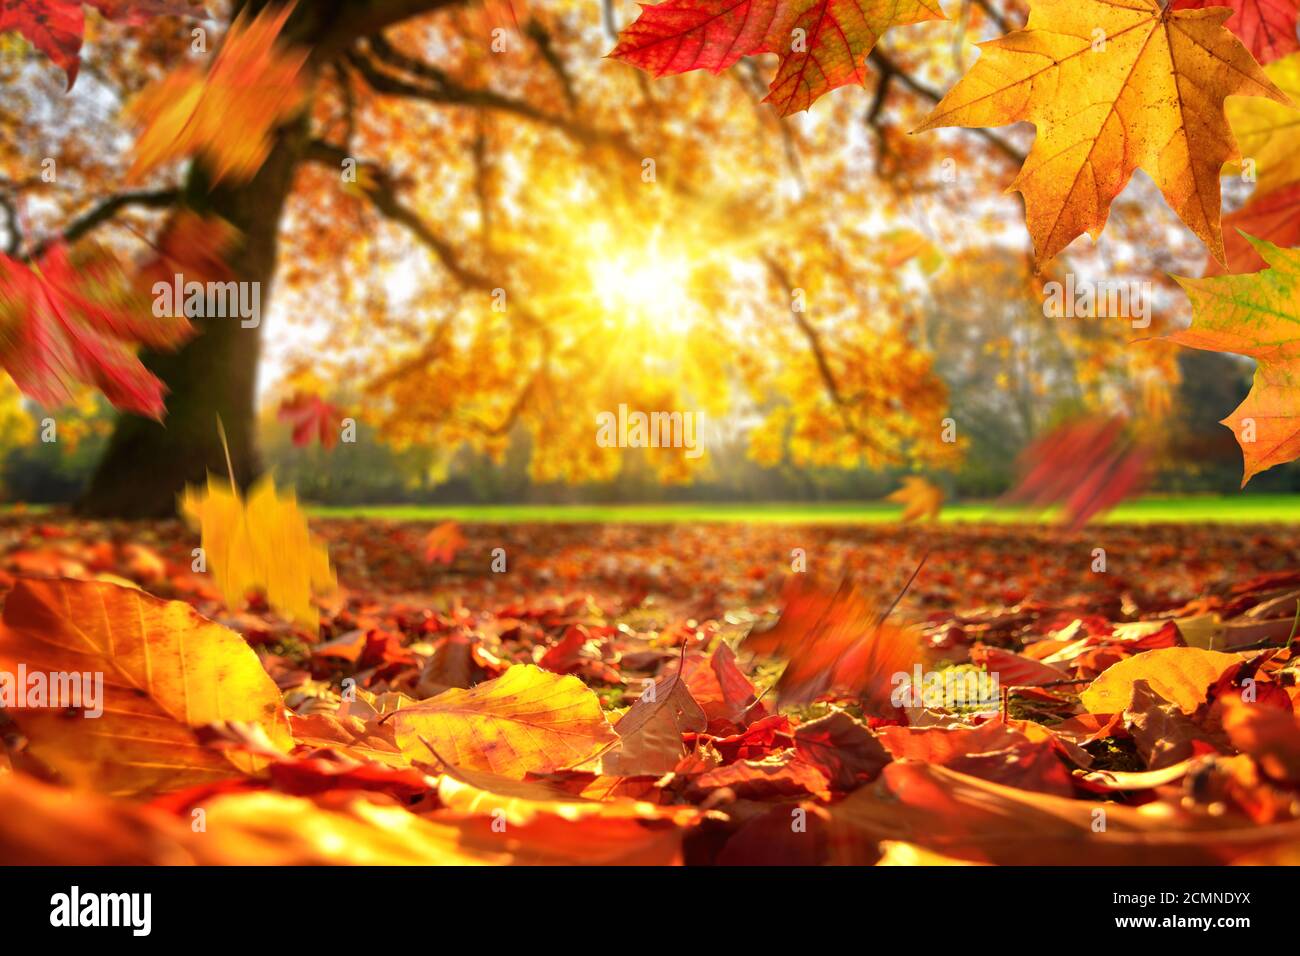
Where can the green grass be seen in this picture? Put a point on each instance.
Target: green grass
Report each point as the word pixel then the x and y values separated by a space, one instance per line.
pixel 1237 509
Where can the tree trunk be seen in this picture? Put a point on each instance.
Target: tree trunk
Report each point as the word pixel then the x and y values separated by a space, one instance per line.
pixel 146 464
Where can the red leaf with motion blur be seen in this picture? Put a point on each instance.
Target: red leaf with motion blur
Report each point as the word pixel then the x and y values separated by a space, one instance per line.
pixel 64 322
pixel 1086 467
pixel 443 542
pixel 311 417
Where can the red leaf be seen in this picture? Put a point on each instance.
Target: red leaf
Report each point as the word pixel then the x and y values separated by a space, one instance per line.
pixel 63 323
pixel 1266 27
pixel 56 27
pixel 311 417
pixel 822 44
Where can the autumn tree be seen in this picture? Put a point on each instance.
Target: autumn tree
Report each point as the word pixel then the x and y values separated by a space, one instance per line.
pixel 481 225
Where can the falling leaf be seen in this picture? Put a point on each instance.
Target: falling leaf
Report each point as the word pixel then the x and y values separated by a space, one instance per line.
pixel 312 418
pixel 166 671
pixel 1085 467
pixel 526 721
pixel 263 545
pixel 1180 675
pixel 919 498
pixel 822 44
pixel 226 115
pixel 1112 87
pixel 443 543
pixel 836 640
pixel 55 27
pixel 67 320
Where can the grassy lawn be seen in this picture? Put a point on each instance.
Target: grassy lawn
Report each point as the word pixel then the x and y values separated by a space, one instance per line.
pixel 1239 509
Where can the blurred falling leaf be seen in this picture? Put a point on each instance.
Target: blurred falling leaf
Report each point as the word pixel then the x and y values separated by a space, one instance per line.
pixel 919 498
pixel 227 115
pixel 260 545
pixel 443 543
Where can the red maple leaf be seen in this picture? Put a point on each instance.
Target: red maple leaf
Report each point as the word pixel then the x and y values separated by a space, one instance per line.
pixel 1266 27
pixel 56 27
pixel 311 416
pixel 822 44
pixel 64 322
pixel 1086 467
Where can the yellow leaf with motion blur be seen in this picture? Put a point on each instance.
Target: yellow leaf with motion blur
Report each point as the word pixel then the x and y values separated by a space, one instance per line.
pixel 226 115
pixel 919 498
pixel 261 545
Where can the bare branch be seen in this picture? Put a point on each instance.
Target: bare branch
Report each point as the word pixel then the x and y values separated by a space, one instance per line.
pixel 110 207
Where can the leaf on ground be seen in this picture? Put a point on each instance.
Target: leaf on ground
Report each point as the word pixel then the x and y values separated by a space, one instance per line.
pixel 1163 734
pixel 723 691
pixel 821 44
pixel 960 816
pixel 842 748
pixel 1269 735
pixel 650 733
pixel 263 545
pixel 1147 92
pixel 166 671
pixel 526 721
pixel 1180 675
pixel 1255 315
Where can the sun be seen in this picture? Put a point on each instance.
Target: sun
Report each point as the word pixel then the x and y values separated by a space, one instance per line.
pixel 647 287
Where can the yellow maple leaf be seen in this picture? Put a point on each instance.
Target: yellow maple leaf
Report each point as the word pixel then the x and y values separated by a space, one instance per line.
pixel 261 545
pixel 919 498
pixel 1255 315
pixel 1112 86
pixel 226 115
pixel 1268 132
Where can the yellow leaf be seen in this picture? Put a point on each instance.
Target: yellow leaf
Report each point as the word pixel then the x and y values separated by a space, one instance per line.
pixel 1112 86
pixel 166 670
pixel 526 720
pixel 919 498
pixel 262 546
pixel 1269 133
pixel 1181 675
pixel 227 115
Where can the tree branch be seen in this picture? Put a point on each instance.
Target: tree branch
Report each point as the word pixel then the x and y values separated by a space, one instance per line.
pixel 110 207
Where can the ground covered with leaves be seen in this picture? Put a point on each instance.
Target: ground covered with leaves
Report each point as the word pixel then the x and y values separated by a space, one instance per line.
pixel 613 694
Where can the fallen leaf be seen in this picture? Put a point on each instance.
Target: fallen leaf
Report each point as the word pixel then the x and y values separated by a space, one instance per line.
pixel 166 671
pixel 526 721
